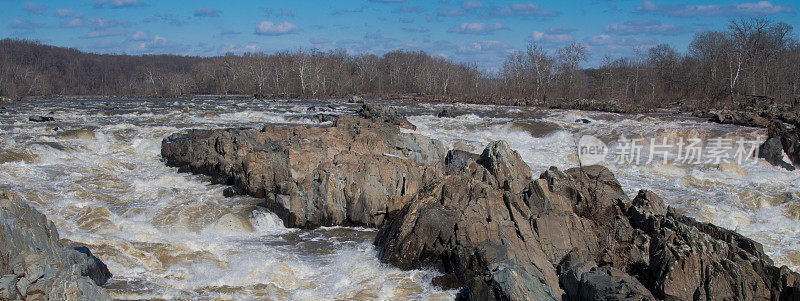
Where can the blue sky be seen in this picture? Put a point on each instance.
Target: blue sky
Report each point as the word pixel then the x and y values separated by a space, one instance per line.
pixel 481 32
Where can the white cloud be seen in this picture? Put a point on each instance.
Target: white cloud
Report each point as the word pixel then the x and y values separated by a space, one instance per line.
pixel 65 12
pixel 483 46
pixel 643 27
pixel 523 9
pixel 477 28
pixel 273 29
pixel 139 36
pixel 729 10
pixel 471 4
pixel 33 8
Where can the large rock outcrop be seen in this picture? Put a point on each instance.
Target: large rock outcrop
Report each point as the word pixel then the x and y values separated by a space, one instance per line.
pixel 34 265
pixel 481 219
pixel 572 235
pixel 351 173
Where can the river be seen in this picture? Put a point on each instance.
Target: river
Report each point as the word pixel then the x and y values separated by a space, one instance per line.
pixel 97 174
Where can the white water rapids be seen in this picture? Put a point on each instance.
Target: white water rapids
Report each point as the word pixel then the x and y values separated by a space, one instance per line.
pixel 168 235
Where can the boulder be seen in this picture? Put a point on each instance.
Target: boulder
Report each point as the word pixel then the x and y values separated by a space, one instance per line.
pixel 743 118
pixel 780 141
pixel 351 173
pixel 355 99
pixel 35 265
pixel 384 113
pixel 324 117
pixel 41 118
pixel 447 113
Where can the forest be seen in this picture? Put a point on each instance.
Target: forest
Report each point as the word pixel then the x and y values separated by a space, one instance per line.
pixel 752 57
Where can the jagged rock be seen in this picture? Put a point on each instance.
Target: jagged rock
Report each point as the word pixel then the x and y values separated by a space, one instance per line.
pixel 35 265
pixel 781 140
pixel 458 160
pixel 384 113
pixel 41 118
pixel 324 117
pixel 351 173
pixel 587 281
pixel 96 269
pixel 506 165
pixel 447 113
pixel 467 225
pixel 743 118
pixel 481 219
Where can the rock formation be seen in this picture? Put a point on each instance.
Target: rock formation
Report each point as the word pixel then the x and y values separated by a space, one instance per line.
pixel 780 141
pixel 481 219
pixel 351 173
pixel 34 265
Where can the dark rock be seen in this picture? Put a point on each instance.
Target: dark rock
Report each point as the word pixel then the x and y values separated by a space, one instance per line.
pixel 789 144
pixel 458 160
pixel 772 151
pixel 97 270
pixel 583 120
pixel 41 118
pixel 743 118
pixel 447 113
pixel 324 118
pixel 35 265
pixel 384 113
pixel 586 281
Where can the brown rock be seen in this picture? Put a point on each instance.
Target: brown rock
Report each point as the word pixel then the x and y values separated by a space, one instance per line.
pixel 352 173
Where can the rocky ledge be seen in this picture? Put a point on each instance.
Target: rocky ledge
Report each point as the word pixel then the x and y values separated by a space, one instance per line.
pixel 481 219
pixel 351 173
pixel 35 266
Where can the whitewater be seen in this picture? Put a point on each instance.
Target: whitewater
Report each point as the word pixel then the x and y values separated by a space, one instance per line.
pixel 97 174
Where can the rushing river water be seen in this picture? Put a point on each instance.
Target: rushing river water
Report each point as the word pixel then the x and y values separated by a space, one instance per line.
pixel 96 173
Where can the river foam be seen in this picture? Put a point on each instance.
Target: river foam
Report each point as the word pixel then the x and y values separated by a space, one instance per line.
pixel 99 177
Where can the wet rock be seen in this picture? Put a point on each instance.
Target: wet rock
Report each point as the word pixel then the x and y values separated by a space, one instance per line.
pixel 447 113
pixel 231 223
pixel 35 265
pixel 355 99
pixel 772 151
pixel 351 173
pixel 324 118
pixel 384 113
pixel 41 118
pixel 96 269
pixel 583 120
pixel 482 220
pixel 780 141
pixel 743 118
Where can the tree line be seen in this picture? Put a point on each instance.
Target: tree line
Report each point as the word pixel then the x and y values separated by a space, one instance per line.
pixel 752 57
